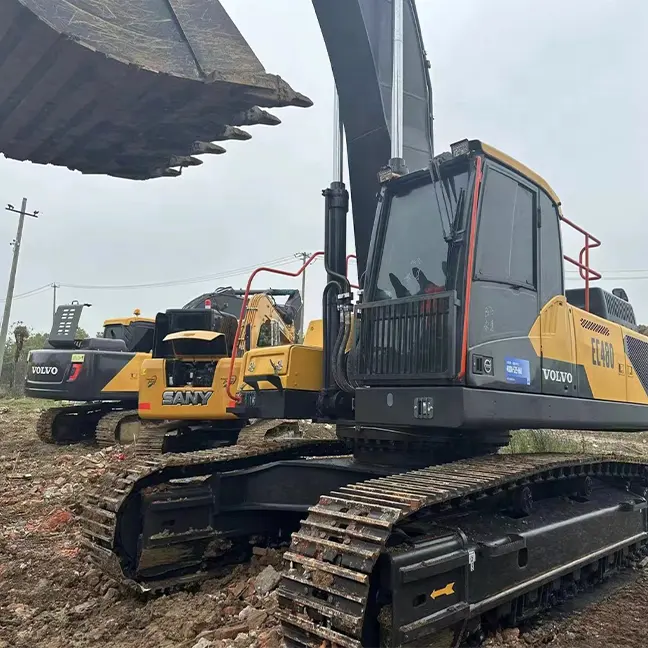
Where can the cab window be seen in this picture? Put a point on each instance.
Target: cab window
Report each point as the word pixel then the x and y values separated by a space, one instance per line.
pixel 505 237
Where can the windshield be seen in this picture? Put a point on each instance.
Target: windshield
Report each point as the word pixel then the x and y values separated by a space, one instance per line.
pixel 115 332
pixel 417 241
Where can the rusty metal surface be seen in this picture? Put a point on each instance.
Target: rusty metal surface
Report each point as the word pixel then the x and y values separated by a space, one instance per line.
pixel 324 592
pixel 130 88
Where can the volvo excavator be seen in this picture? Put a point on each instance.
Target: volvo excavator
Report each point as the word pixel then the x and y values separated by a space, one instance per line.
pixel 99 375
pixel 411 529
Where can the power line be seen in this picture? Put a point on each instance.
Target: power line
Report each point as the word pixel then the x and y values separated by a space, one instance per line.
pixel 279 262
pixel 181 282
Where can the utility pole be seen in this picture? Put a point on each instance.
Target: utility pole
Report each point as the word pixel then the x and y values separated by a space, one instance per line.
pixel 55 286
pixel 303 256
pixel 12 275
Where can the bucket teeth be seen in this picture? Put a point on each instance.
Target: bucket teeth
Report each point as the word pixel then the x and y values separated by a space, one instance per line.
pixel 184 161
pixel 233 133
pixel 255 116
pixel 201 148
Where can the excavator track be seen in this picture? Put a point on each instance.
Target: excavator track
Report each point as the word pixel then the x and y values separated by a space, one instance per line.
pixel 107 430
pixel 328 593
pixel 82 420
pixel 103 507
pixel 257 432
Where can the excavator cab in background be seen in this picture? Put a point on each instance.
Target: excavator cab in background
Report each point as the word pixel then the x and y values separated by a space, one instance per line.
pixel 185 380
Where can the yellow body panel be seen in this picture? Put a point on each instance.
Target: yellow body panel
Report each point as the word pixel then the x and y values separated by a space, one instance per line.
pixel 152 388
pixel 299 366
pixel 595 345
pixel 314 336
pixel 127 380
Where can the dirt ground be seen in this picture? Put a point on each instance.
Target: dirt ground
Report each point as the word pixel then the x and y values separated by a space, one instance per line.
pixel 52 597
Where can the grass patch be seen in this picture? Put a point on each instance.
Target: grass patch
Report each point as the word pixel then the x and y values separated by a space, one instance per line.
pixel 538 441
pixel 21 404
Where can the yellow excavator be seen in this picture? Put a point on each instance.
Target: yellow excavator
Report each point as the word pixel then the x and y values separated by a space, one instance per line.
pixel 183 396
pixel 425 536
pixel 99 376
pixel 413 530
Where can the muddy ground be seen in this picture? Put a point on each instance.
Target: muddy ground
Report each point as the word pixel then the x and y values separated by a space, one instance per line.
pixel 52 597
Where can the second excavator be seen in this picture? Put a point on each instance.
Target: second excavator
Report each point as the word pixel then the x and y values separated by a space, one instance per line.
pixel 184 383
pixel 99 377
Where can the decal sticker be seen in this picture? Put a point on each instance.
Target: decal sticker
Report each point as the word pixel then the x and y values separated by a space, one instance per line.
pixel 518 371
pixel 189 397
pixel 448 590
pixel 602 353
pixel 151 381
pixel 78 357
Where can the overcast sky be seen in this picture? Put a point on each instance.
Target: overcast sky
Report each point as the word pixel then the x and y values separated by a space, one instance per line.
pixel 560 85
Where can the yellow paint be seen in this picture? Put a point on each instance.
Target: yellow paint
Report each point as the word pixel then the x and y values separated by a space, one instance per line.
pixel 127 380
pixel 448 590
pixel 568 334
pixel 522 169
pixel 314 336
pixel 127 320
pixel 299 366
pixel 152 385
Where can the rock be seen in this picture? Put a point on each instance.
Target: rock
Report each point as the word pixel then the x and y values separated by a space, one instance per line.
pixel 256 619
pixel 510 635
pixel 60 481
pixel 238 589
pixel 267 580
pixel 203 643
pixel 83 607
pixel 111 595
pixel 242 640
pixel 229 632
pixel 259 551
pixel 270 639
pixel 245 613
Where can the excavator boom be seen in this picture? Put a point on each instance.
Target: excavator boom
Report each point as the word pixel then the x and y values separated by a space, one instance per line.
pixel 129 89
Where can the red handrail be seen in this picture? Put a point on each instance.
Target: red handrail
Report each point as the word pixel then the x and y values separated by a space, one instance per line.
pixel 284 273
pixel 586 273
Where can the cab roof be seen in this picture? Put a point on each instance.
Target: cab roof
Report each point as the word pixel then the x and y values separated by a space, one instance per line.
pixel 522 169
pixel 127 320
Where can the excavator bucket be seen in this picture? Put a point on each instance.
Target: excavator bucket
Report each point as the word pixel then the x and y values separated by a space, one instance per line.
pixel 133 89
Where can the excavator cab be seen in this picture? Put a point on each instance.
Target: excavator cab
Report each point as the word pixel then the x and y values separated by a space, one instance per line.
pixel 465 314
